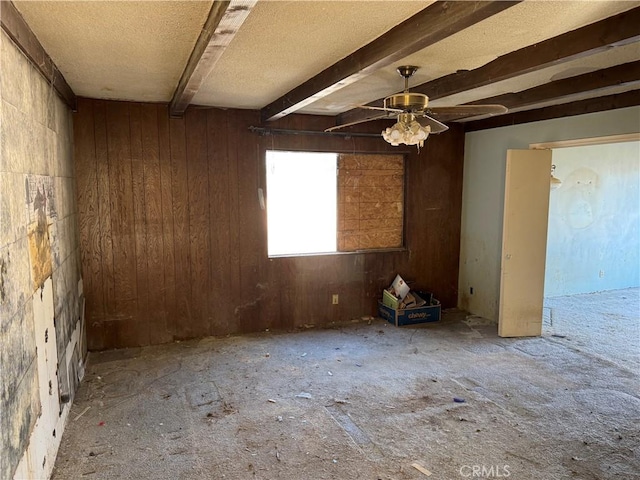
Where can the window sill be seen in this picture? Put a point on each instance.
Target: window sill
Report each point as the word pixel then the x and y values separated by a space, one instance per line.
pixel 356 252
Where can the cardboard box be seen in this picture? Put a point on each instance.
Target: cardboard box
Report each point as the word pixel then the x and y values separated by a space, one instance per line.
pixel 411 316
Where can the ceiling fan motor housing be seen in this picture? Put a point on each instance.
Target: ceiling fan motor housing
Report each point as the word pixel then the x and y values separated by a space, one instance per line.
pixel 409 102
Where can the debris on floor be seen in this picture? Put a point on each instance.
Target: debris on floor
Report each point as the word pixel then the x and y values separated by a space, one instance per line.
pixel 81 413
pixel 374 421
pixel 421 469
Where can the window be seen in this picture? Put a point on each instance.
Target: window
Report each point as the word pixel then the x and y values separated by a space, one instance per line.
pixel 301 198
pixel 328 202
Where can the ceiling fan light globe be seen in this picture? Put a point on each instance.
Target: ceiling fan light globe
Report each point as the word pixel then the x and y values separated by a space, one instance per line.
pixel 407 130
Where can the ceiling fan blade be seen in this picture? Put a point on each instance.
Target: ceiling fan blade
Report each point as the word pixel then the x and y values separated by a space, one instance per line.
pixel 369 107
pixel 375 117
pixel 463 111
pixel 436 126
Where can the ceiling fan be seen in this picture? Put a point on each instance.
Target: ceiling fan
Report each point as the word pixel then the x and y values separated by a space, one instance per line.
pixel 415 120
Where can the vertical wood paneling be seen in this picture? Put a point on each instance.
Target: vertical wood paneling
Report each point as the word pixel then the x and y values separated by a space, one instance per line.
pixel 181 248
pixel 199 219
pixel 233 136
pixel 220 221
pixel 181 244
pixel 250 232
pixel 168 244
pixel 434 199
pixel 122 218
pixel 140 225
pixel 158 328
pixel 104 210
pixel 89 219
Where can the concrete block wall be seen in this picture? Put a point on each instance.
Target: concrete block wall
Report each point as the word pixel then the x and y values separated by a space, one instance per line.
pixel 42 344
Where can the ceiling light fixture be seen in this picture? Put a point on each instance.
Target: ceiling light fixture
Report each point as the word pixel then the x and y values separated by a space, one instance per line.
pixel 406 130
pixel 407 106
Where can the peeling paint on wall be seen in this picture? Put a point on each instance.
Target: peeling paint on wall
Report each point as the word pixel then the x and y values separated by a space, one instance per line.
pixel 580 198
pixel 40 197
pixel 39 254
pixel 40 205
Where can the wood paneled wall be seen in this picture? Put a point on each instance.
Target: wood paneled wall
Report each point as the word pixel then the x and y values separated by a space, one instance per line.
pixel 174 242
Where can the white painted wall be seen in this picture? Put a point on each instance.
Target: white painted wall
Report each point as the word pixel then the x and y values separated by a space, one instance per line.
pixel 483 193
pixel 593 241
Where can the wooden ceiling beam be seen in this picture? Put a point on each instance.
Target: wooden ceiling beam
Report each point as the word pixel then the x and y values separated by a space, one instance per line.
pixel 21 34
pixel 626 74
pixel 591 105
pixel 222 24
pixel 617 30
pixel 431 25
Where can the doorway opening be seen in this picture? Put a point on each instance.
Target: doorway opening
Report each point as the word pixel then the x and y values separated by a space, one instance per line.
pixel 592 271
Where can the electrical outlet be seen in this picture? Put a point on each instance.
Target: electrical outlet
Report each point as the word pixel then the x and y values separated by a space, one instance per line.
pixel 601 274
pixel 334 299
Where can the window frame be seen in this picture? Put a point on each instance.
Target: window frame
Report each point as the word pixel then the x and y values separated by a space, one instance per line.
pixel 401 248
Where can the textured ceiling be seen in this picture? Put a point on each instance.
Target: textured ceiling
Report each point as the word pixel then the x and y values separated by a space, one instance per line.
pixel 135 50
pixel 283 43
pixel 118 50
pixel 519 26
pixel 609 58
